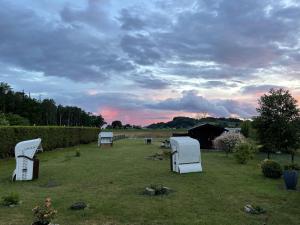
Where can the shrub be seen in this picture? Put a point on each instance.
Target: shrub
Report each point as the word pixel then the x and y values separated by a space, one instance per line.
pixel 15 119
pixel 52 137
pixel 227 141
pixel 292 166
pixel 77 153
pixel 44 214
pixel 3 120
pixel 244 152
pixel 11 199
pixel 271 168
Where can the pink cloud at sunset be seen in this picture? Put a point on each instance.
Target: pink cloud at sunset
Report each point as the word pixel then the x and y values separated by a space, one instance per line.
pixel 139 117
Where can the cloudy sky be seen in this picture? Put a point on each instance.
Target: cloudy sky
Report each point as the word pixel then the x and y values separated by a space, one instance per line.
pixel 148 61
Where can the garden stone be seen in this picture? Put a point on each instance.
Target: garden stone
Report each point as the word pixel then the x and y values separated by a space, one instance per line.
pixel 149 191
pixel 166 190
pixel 78 206
pixel 38 223
pixel 247 208
pixel 254 209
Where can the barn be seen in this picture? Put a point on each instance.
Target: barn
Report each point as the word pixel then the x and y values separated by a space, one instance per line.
pixel 205 134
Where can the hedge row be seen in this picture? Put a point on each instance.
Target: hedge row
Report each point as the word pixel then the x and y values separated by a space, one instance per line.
pixel 52 137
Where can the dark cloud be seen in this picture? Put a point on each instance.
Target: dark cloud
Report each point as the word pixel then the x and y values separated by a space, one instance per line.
pixel 217 84
pixel 205 44
pixel 33 43
pixel 94 14
pixel 130 21
pixel 133 20
pixel 253 89
pixel 119 100
pixel 147 80
pixel 141 49
pixel 238 36
pixel 191 102
pixel 209 71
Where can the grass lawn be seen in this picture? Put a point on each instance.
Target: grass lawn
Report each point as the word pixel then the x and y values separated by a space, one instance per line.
pixel 111 182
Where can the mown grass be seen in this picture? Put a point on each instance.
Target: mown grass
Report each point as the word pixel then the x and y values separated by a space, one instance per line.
pixel 141 133
pixel 111 182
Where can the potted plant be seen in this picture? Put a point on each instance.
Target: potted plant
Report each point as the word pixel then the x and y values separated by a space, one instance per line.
pixel 43 215
pixel 290 176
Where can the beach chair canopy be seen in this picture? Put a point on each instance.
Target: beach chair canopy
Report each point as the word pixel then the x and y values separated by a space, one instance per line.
pixel 185 155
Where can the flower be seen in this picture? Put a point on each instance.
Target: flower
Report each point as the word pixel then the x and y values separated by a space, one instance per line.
pixel 44 214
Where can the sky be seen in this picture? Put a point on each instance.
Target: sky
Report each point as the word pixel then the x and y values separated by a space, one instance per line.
pixel 148 61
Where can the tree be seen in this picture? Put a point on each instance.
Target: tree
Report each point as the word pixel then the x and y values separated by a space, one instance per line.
pixel 245 128
pixel 277 122
pixel 3 120
pixel 49 112
pixel 127 126
pixel 17 120
pixel 116 124
pixel 18 108
pixel 4 89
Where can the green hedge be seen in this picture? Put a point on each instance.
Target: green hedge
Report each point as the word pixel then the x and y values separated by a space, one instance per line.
pixel 52 137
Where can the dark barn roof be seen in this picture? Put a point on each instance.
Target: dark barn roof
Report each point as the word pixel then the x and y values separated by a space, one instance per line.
pixel 205 134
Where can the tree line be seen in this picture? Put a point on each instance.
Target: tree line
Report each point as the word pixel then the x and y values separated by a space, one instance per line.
pixel 18 108
pixel 187 122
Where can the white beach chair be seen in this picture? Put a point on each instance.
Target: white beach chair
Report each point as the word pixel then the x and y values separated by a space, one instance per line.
pixel 105 138
pixel 185 155
pixel 27 167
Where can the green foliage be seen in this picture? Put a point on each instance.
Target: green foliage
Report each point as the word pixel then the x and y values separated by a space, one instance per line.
pixel 43 112
pixel 11 199
pixel 3 120
pixel 277 121
pixel 271 169
pixel 243 152
pixel 292 166
pixel 15 119
pixel 246 128
pixel 227 141
pixel 52 137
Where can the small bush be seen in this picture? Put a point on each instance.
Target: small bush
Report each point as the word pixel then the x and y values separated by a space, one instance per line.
pixel 11 199
pixel 227 141
pixel 243 152
pixel 292 166
pixel 77 153
pixel 271 169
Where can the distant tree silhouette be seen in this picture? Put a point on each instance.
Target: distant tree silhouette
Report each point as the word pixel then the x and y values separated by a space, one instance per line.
pixel 17 108
pixel 116 124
